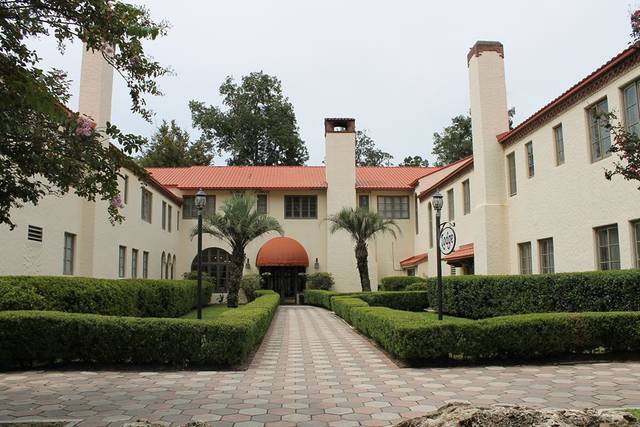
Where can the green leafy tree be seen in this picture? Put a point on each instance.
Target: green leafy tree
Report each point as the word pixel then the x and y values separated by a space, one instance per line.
pixel 415 161
pixel 170 147
pixel 626 144
pixel 367 154
pixel 47 149
pixel 454 142
pixel 362 225
pixel 257 127
pixel 238 224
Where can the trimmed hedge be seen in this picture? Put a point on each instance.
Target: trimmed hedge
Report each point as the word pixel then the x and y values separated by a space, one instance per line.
pixel 29 338
pixel 478 297
pixel 126 297
pixel 417 337
pixel 320 280
pixel 319 298
pixel 399 300
pixel 398 283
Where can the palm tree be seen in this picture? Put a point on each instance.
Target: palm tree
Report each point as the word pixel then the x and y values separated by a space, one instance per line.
pixel 362 225
pixel 237 224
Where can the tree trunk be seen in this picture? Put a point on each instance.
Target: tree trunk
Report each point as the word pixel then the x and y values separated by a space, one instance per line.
pixel 235 276
pixel 362 256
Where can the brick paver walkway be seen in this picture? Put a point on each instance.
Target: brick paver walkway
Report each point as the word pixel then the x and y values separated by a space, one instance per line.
pixel 313 370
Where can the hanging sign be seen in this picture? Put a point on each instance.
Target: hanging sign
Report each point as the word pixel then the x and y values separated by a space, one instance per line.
pixel 447 240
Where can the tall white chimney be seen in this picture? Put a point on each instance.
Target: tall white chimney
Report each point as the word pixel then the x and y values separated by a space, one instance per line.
pixel 96 84
pixel 489 118
pixel 340 171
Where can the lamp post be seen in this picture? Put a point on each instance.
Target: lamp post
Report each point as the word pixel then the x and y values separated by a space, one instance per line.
pixel 437 205
pixel 200 202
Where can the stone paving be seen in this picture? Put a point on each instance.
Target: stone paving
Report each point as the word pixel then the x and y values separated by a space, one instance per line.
pixel 311 370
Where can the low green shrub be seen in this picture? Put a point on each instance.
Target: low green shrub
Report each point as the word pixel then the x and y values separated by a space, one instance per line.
pixel 250 283
pixel 193 275
pixel 478 297
pixel 320 280
pixel 126 297
pixel 418 337
pixel 31 338
pixel 399 300
pixel 319 298
pixel 398 283
pixel 343 305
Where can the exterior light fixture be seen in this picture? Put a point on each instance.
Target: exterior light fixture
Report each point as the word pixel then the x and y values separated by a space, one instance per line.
pixel 437 205
pixel 316 265
pixel 200 202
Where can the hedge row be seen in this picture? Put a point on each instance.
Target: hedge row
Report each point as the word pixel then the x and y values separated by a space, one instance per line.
pixel 478 297
pixel 398 283
pixel 126 297
pixel 30 338
pixel 411 301
pixel 416 336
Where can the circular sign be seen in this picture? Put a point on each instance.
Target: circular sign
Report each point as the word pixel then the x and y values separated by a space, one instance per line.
pixel 447 240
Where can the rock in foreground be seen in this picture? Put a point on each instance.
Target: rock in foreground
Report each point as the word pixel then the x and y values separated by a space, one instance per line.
pixel 465 415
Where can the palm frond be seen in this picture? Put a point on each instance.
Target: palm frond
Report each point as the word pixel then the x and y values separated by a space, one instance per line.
pixel 362 224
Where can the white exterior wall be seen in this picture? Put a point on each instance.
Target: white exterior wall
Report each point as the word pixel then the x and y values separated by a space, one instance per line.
pixel 566 202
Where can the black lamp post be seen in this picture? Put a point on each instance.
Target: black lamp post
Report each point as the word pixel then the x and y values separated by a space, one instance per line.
pixel 201 201
pixel 437 205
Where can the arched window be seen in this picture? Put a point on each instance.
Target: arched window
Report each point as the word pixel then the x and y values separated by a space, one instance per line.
pixel 167 266
pixel 173 266
pixel 163 261
pixel 215 263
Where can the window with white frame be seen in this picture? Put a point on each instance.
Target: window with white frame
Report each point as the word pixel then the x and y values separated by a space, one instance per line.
pixel 134 263
pixel 513 183
pixel 69 253
pixel 524 250
pixel 393 207
pixel 531 168
pixel 559 144
pixel 145 265
pixel 631 111
pixel 147 199
pixel 300 207
pixel 599 135
pixel 122 260
pixel 363 201
pixel 545 250
pixel 608 247
pixel 261 203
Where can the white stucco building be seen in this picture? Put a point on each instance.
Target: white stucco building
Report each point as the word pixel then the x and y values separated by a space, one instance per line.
pixel 530 200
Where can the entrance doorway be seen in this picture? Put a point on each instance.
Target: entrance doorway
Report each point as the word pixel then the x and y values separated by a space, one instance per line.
pixel 287 281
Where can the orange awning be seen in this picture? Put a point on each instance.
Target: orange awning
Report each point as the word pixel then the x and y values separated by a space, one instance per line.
pixel 411 261
pixel 282 252
pixel 463 252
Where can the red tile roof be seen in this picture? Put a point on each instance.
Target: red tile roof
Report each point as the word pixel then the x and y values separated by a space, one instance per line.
pixel 444 175
pixel 594 81
pixel 416 259
pixel 463 252
pixel 284 177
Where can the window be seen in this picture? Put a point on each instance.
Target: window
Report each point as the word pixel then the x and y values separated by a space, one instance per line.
pixel 145 265
pixel 545 247
pixel 134 263
pixel 34 233
pixel 453 270
pixel 363 201
pixel 559 140
pixel 69 252
pixel 411 272
pixel 169 217
pixel 599 134
pixel 636 238
pixel 300 206
pixel 122 256
pixel 631 112
pixel 451 209
pixel 164 215
pixel 189 210
pixel 466 194
pixel 416 209
pixel 163 261
pixel 215 263
pixel 393 207
pixel 608 247
pixel 177 220
pixel 126 189
pixel 525 258
pixel 430 213
pixel 261 204
pixel 531 169
pixel 513 183
pixel 146 205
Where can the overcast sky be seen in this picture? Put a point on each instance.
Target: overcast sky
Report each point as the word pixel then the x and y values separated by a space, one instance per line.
pixel 398 67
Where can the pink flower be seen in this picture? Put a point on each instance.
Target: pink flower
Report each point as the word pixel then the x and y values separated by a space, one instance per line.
pixel 116 202
pixel 85 126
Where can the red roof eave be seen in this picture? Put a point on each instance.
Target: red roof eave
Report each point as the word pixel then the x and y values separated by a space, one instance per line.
pixel 414 260
pixel 447 178
pixel 463 252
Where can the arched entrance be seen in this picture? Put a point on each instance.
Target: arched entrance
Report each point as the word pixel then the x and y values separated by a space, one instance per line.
pixel 215 263
pixel 283 262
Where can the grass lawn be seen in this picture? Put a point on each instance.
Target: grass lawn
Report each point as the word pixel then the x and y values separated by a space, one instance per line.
pixel 634 412
pixel 209 312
